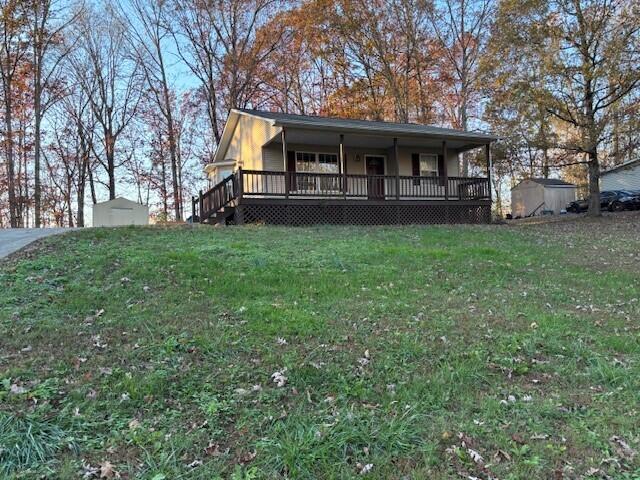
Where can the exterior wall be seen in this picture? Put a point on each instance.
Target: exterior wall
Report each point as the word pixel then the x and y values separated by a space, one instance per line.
pixel 245 146
pixel 626 178
pixel 557 198
pixel 355 160
pixel 272 156
pixel 119 212
pixel 525 197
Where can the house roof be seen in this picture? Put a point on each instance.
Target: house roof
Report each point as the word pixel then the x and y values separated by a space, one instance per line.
pixel 622 165
pixel 362 126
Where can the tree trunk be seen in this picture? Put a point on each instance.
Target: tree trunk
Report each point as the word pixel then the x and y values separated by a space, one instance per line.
pixel 8 120
pixel 594 184
pixel 111 164
pixel 92 186
pixel 163 190
pixel 37 114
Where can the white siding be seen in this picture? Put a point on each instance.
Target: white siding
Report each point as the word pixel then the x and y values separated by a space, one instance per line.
pixel 557 198
pixel 525 197
pixel 626 178
pixel 272 158
pixel 120 211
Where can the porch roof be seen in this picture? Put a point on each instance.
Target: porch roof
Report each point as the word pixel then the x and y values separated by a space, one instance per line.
pixel 363 127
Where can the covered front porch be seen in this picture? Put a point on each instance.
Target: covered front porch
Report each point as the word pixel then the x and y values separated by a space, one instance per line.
pixel 292 169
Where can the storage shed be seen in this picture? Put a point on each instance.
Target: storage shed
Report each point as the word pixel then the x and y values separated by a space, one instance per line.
pixel 120 211
pixel 622 177
pixel 536 195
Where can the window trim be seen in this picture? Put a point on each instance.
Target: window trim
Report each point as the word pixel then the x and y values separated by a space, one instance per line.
pixel 316 155
pixel 434 156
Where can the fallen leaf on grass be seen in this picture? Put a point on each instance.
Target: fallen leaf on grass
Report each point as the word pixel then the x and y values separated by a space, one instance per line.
pixel 501 456
pixel 17 389
pixel 622 448
pixel 107 470
pixel 278 378
pixel 213 450
pixel 248 457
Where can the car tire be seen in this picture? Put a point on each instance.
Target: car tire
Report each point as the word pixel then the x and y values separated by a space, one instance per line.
pixel 616 207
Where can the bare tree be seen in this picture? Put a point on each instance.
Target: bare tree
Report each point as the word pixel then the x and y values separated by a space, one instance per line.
pixel 225 48
pixel 462 27
pixel 13 52
pixel 149 32
pixel 110 78
pixel 49 20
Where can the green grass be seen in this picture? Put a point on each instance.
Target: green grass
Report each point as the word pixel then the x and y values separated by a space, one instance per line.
pixel 409 349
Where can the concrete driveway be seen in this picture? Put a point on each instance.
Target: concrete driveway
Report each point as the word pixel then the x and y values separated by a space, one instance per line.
pixel 13 239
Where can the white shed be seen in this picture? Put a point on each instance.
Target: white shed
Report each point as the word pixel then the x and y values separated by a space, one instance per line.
pixel 535 195
pixel 120 211
pixel 622 177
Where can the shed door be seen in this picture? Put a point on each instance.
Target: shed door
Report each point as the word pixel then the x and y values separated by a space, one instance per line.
pixel 121 216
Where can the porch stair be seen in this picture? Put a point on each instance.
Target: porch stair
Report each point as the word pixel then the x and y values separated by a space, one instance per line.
pixel 222 217
pixel 217 205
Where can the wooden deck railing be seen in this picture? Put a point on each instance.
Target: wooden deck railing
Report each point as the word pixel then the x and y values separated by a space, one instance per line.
pixel 265 183
pixel 335 185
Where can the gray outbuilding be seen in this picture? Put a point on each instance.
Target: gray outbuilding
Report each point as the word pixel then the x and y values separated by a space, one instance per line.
pixel 622 177
pixel 534 196
pixel 120 211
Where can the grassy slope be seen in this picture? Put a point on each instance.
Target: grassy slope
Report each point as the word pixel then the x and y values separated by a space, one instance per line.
pixel 404 348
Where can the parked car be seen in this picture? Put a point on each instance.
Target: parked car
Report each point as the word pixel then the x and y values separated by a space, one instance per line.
pixel 606 198
pixel 627 200
pixel 578 206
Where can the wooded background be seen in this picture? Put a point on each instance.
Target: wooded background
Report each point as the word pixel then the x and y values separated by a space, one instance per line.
pixel 129 97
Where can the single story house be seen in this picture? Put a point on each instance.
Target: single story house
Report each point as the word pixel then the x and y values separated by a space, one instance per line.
pixel 533 196
pixel 296 169
pixel 623 177
pixel 119 211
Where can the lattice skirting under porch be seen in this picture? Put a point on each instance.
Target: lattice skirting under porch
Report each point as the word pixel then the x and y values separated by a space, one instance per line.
pixel 366 214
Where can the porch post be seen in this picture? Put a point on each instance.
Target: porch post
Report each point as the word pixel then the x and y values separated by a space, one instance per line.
pixel 487 153
pixel 397 159
pixel 445 171
pixel 200 206
pixel 343 166
pixel 287 174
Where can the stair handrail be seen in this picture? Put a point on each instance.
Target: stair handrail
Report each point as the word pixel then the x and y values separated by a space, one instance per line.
pixel 218 196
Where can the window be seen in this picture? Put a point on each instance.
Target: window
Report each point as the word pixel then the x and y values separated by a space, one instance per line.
pixel 428 165
pixel 308 162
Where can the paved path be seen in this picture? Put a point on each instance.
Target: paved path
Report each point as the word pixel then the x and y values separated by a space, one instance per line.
pixel 13 239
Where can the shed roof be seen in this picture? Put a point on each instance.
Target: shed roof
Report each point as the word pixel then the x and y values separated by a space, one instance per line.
pixel 120 202
pixel 546 182
pixel 308 121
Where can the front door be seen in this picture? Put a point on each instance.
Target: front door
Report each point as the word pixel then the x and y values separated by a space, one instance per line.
pixel 375 176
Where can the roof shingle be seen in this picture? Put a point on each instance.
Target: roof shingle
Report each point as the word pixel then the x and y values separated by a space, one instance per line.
pixel 369 125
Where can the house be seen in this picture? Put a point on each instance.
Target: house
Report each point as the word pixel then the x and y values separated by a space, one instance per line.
pixel 294 169
pixel 623 177
pixel 119 211
pixel 533 196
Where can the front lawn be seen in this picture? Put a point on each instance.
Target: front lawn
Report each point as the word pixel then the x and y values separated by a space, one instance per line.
pixel 330 352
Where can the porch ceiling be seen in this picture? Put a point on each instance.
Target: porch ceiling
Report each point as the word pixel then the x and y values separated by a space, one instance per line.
pixel 371 140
